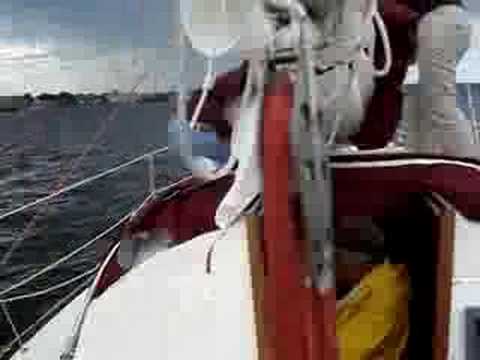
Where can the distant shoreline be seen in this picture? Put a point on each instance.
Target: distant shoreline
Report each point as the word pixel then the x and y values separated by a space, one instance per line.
pixel 12 104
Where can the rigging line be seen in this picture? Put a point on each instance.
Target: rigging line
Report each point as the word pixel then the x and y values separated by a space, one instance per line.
pixel 76 163
pixel 66 257
pixel 72 344
pixel 101 235
pixel 247 209
pixel 18 338
pixel 84 182
pixel 28 230
pixel 46 314
pixel 50 288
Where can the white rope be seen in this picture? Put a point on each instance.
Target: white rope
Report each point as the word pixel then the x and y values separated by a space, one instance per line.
pixel 70 349
pixel 46 314
pixel 143 204
pixel 73 166
pixel 91 242
pixel 82 182
pixel 338 117
pixel 66 257
pixel 374 16
pixel 208 82
pixel 51 288
pixel 386 45
pixel 18 338
pixel 18 240
pixel 245 211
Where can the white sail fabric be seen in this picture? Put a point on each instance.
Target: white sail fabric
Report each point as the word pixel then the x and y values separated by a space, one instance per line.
pixel 170 308
pixel 246 148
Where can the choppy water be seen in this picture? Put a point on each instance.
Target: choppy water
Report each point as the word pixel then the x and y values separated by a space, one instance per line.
pixel 39 148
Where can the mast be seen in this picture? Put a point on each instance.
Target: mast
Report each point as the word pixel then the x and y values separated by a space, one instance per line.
pixel 181 42
pixel 181 105
pixel 302 247
pixel 473 113
pixel 313 165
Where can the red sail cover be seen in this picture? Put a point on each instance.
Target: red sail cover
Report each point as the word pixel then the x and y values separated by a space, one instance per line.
pixel 299 323
pixel 372 184
pixel 189 214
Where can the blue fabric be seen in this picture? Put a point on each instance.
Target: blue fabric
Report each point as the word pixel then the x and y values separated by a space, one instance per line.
pixel 203 144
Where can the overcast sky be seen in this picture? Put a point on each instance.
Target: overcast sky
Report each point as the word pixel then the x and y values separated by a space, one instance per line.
pixel 92 45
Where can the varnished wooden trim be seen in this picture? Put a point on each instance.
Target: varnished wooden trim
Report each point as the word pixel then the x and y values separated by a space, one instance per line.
pixel 444 274
pixel 257 266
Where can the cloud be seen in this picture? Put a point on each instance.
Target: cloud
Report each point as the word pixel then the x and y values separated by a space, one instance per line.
pixel 83 68
pixel 112 23
pixel 473 5
pixel 100 45
pixel 90 45
pixel 17 53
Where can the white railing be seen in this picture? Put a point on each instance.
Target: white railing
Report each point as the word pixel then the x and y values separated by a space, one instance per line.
pixel 18 336
pixel 153 191
pixel 145 157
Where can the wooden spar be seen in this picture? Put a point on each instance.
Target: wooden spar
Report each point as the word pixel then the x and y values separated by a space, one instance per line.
pixel 445 225
pixel 473 113
pixel 283 306
pixel 299 320
pixel 257 265
pixel 312 164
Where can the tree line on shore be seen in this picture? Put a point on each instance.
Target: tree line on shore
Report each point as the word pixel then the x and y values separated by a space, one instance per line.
pixel 67 98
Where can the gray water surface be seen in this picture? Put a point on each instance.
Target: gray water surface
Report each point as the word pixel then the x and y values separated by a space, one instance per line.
pixel 42 149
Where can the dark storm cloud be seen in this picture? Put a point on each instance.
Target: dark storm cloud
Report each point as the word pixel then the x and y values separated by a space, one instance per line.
pixel 79 36
pixel 116 23
pixel 473 5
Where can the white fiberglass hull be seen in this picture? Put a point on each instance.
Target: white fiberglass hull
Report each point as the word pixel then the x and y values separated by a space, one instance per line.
pixel 168 307
pixel 466 283
pixel 47 343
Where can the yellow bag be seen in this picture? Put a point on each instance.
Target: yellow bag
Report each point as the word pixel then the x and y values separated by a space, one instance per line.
pixel 372 320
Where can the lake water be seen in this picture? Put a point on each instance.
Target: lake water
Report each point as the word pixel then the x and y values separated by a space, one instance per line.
pixel 42 149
